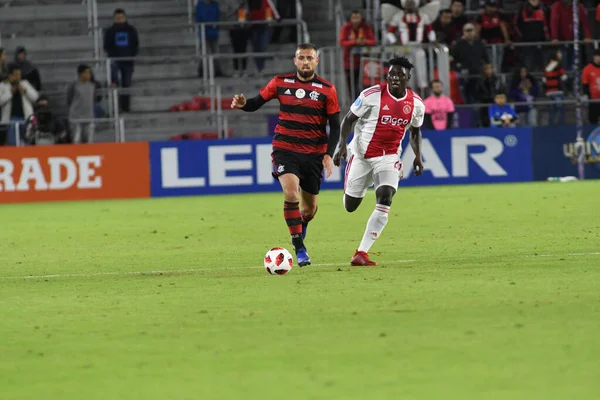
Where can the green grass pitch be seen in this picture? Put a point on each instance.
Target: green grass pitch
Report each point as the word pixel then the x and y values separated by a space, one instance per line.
pixel 483 292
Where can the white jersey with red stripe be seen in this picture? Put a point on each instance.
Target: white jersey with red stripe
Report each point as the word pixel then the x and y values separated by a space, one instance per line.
pixel 383 120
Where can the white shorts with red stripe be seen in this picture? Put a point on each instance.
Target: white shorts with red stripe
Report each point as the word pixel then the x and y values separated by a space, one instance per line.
pixel 362 173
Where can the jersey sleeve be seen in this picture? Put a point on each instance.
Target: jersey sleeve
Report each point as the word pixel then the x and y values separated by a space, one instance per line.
pixel 269 92
pixel 418 113
pixel 362 104
pixel 332 105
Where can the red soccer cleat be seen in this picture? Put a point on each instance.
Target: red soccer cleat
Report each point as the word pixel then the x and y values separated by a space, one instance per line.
pixel 361 258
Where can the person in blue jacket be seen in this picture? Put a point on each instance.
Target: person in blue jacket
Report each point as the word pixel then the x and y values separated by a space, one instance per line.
pixel 121 41
pixel 502 115
pixel 209 11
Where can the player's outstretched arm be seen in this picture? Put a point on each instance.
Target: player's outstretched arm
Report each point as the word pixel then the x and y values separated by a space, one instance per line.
pixel 253 104
pixel 415 143
pixel 346 129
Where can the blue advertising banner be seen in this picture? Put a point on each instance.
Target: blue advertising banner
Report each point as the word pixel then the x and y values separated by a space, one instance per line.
pixel 180 168
pixel 217 167
pixel 462 156
pixel 555 152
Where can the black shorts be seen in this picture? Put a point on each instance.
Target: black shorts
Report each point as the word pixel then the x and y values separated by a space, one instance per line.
pixel 307 167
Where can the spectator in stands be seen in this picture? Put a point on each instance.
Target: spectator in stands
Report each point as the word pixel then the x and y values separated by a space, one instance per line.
pixel 287 10
pixel 524 89
pixel 554 82
pixel 458 18
pixel 81 97
pixel 500 114
pixel 487 87
pixel 590 78
pixel 443 28
pixel 355 33
pixel 532 25
pixel 468 55
pixel 3 67
pixel 261 10
pixel 597 30
pixel 413 28
pixel 209 11
pixel 239 35
pixel 16 101
pixel 439 109
pixel 492 29
pixel 121 41
pixel 29 72
pixel 43 127
pixel 561 27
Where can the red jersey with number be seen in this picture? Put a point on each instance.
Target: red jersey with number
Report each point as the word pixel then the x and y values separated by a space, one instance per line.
pixel 303 112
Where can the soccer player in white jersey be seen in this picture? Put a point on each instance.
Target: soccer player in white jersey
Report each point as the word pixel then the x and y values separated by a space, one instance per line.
pixel 383 113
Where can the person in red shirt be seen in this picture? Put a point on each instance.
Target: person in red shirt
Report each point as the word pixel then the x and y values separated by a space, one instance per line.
pixel 590 79
pixel 561 26
pixel 355 33
pixel 491 28
pixel 261 10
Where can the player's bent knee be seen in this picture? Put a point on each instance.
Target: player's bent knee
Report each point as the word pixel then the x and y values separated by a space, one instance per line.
pixel 291 195
pixel 385 194
pixel 351 203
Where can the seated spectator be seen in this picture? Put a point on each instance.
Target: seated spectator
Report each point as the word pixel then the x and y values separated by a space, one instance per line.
pixel 121 41
pixel 80 100
pixel 16 101
pixel 532 25
pixel 590 79
pixel 355 33
pixel 468 55
pixel 260 34
pixel 487 87
pixel 439 109
pixel 208 11
pixel 493 31
pixel 561 27
pixel 524 89
pixel 29 72
pixel 502 115
pixel 3 66
pixel 458 19
pixel 43 127
pixel 443 28
pixel 554 82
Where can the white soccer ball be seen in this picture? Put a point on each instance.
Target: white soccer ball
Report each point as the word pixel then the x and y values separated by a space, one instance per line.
pixel 278 261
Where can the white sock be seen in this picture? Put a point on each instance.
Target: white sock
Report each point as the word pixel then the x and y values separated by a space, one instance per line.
pixel 375 225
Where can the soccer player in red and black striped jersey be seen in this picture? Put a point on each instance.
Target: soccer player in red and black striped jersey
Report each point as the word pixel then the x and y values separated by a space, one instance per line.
pixel 301 147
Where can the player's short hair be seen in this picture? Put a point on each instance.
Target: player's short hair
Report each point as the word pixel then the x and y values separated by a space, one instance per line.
pixel 435 81
pixel 307 46
pixel 445 11
pixel 401 62
pixel 12 67
pixel 119 11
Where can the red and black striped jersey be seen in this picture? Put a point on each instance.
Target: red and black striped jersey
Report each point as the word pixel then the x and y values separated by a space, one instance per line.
pixel 303 112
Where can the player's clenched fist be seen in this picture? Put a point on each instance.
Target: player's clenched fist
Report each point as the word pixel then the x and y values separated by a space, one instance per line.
pixel 239 101
pixel 341 154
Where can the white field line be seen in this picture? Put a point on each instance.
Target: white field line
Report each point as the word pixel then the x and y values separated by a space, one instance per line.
pixel 188 270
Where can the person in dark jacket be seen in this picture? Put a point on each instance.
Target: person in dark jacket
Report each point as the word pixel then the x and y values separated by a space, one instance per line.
pixel 487 87
pixel 29 72
pixel 121 41
pixel 532 23
pixel 209 11
pixel 3 66
pixel 468 56
pixel 524 89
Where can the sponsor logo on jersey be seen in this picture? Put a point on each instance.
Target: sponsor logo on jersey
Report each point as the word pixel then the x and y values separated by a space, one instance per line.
pixel 300 93
pixel 317 85
pixel 386 108
pixel 287 80
pixel 357 102
pixel 406 109
pixel 314 96
pixel 389 120
pixel 287 92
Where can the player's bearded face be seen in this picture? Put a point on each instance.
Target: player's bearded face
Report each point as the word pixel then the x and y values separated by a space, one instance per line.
pixel 306 62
